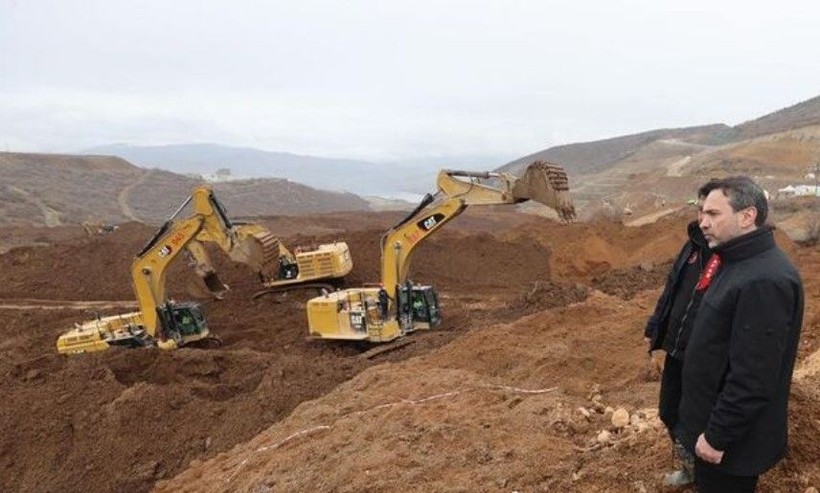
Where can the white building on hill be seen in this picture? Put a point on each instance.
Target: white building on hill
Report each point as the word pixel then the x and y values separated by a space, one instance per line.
pixel 222 174
pixel 798 191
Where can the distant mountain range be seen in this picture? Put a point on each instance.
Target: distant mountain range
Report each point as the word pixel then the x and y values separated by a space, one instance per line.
pixel 596 156
pixel 646 173
pixel 200 159
pixel 412 178
pixel 653 171
pixel 363 178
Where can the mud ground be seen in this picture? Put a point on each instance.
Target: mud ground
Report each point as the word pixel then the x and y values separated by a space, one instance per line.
pixel 542 341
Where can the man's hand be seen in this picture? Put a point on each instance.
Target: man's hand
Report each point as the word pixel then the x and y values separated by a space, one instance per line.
pixel 707 452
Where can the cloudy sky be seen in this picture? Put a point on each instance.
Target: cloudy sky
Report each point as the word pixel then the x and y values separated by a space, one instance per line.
pixel 393 79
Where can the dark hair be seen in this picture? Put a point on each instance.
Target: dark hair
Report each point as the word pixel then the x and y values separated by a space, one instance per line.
pixel 743 192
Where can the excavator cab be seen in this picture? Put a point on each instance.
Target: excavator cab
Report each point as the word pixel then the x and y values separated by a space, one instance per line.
pixel 183 323
pixel 418 307
pixel 287 269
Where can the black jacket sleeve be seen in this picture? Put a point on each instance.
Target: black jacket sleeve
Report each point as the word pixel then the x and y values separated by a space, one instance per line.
pixel 664 300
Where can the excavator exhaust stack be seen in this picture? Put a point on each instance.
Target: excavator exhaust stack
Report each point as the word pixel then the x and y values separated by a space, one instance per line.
pixel 548 184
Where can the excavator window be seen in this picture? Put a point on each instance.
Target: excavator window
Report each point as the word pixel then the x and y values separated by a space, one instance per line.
pixel 288 270
pixel 431 299
pixel 186 322
pixel 425 305
pixel 420 312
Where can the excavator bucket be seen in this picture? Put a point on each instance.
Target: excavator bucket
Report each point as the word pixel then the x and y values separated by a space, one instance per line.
pixel 257 248
pixel 548 184
pixel 214 284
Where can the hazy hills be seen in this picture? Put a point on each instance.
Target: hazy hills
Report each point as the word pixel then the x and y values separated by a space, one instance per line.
pixel 348 175
pixel 597 156
pixel 796 116
pixel 648 173
pixel 43 189
pixel 589 157
pixel 658 170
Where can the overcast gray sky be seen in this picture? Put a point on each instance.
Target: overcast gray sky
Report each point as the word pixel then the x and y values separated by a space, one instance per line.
pixel 393 79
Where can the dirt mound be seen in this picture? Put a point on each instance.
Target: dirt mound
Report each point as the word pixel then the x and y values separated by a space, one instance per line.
pixel 518 407
pixel 627 282
pixel 586 250
pixel 490 401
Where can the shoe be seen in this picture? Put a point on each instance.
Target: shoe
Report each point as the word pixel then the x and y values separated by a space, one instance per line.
pixel 687 460
pixel 686 474
pixel 680 477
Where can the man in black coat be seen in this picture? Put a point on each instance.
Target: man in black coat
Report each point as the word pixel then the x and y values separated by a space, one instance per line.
pixel 669 329
pixel 741 354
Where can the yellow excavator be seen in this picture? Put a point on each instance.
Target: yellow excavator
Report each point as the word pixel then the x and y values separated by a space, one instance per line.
pixel 169 325
pixel 396 307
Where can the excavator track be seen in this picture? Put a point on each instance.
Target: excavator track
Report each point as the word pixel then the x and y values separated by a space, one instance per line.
pixel 318 286
pixel 210 342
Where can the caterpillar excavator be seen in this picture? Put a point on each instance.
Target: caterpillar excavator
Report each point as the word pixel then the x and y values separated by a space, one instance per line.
pixel 169 325
pixel 397 307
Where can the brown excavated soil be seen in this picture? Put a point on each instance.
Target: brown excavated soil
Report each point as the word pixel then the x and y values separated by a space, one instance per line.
pixel 540 320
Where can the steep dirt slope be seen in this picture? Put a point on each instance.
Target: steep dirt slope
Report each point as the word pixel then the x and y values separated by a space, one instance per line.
pixel 647 172
pixel 802 114
pixel 594 157
pixel 666 174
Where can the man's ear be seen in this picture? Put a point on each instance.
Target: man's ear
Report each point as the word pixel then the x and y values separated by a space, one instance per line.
pixel 748 217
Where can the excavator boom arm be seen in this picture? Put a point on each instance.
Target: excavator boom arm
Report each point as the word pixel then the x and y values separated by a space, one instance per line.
pixel 398 307
pixel 149 269
pixel 250 244
pixel 399 243
pixel 160 321
pixel 542 182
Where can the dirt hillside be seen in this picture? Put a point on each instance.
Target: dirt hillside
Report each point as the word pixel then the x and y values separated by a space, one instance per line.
pixel 54 190
pixel 541 320
pixel 651 172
